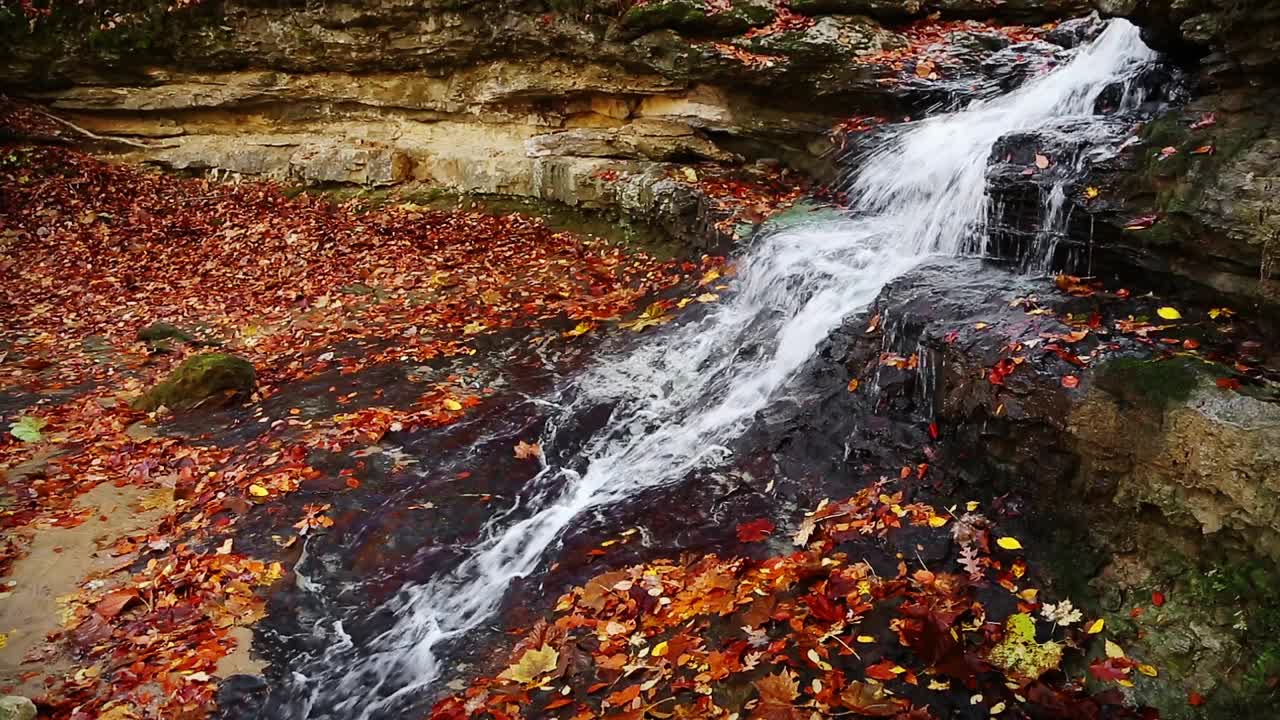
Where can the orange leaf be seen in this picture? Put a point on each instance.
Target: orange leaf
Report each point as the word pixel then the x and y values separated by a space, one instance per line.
pixel 623 697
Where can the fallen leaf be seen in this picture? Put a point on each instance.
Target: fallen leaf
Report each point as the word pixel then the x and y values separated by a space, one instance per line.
pixel 1042 162
pixel 532 665
pixel 528 451
pixel 1096 626
pixel 1169 313
pixel 1009 543
pixel 755 530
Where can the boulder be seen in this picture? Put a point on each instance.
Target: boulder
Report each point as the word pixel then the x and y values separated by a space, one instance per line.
pixel 201 379
pixel 16 707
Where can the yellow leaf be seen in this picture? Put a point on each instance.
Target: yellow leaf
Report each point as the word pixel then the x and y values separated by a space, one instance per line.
pixel 451 404
pixel 4 640
pixel 865 639
pixel 1113 650
pixel 853 385
pixel 581 328
pixel 1091 192
pixel 1169 313
pixel 971 505
pixel 707 298
pixel 258 491
pixel 1148 670
pixel 690 175
pixel 937 521
pixel 533 664
pixel 660 649
pixel 472 328
pixel 1029 594
pixel 1009 543
pixel 1096 627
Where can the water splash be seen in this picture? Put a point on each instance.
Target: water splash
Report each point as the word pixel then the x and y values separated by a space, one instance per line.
pixel 679 400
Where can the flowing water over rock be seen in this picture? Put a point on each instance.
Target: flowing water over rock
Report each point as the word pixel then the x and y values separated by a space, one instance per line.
pixel 676 404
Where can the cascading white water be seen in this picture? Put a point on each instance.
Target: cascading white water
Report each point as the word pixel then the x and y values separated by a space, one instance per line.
pixel 682 397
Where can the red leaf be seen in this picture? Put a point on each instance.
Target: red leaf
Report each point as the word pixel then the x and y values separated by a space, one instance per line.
pixel 822 608
pixel 1195 699
pixel 755 530
pixel 1157 598
pixel 1070 381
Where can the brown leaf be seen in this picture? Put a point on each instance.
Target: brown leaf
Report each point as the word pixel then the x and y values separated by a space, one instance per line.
pixel 528 451
pixel 779 688
pixel 865 698
pixel 114 603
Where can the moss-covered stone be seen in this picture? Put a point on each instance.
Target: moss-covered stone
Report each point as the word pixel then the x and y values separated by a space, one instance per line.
pixel 1156 383
pixel 208 377
pixel 693 16
pixel 160 331
pixel 884 9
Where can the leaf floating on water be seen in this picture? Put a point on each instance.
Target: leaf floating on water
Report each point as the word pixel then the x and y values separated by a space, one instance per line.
pixel 528 451
pixel 532 665
pixel 1169 313
pixel 755 530
pixel 1070 382
pixel 1042 162
pixel 1203 150
pixel 581 328
pixel 1009 543
pixel 1168 152
pixel 1096 626
pixel 653 316
pixel 1092 193
pixel 853 385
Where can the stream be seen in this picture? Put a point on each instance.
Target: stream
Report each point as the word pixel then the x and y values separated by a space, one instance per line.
pixel 642 421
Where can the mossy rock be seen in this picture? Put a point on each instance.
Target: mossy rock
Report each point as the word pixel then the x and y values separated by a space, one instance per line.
pixel 208 377
pixel 881 9
pixel 693 16
pixel 160 331
pixel 1155 383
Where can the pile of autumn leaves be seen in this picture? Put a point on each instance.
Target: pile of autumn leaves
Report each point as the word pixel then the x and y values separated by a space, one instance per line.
pixel 95 251
pixel 814 633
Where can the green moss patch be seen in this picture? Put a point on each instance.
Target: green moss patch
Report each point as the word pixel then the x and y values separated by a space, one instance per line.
pixel 208 377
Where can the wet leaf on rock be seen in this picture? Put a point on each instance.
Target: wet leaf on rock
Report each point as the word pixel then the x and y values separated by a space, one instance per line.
pixel 755 530
pixel 532 665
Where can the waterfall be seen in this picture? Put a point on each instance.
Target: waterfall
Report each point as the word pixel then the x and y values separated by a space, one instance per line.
pixel 681 398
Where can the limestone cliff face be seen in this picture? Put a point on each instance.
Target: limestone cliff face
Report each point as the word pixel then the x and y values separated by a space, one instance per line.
pixel 515 97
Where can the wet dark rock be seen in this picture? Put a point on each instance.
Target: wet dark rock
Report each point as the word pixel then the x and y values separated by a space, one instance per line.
pixel 1139 472
pixel 1077 31
pixel 208 378
pixel 239 695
